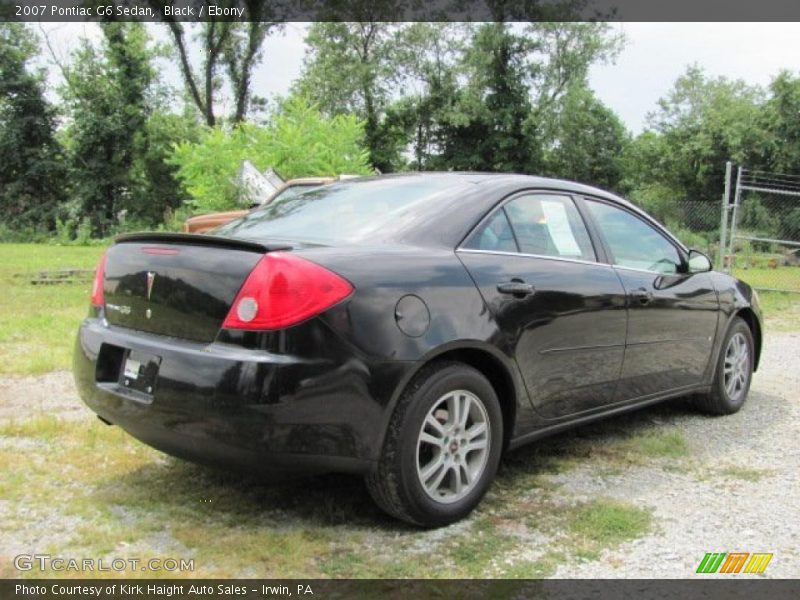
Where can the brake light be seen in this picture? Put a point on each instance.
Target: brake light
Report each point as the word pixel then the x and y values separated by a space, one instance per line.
pixel 283 290
pixel 98 298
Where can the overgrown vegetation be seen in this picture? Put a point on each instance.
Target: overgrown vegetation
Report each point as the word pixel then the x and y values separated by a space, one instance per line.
pixel 298 142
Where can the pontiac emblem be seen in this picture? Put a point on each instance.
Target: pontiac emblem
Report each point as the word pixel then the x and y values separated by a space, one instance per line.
pixel 151 277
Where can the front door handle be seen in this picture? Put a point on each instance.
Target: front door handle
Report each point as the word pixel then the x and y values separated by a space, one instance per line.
pixel 642 296
pixel 516 287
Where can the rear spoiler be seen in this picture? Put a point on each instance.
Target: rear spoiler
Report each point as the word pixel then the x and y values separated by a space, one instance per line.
pixel 196 239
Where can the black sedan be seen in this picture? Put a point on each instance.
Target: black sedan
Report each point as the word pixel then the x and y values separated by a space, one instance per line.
pixel 409 328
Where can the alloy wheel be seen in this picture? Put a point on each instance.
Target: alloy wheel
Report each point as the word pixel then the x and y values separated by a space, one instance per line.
pixel 737 367
pixel 453 446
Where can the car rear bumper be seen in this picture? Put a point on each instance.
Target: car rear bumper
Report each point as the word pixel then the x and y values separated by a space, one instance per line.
pixel 234 407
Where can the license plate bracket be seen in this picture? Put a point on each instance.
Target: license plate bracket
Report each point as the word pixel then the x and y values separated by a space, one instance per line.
pixel 139 372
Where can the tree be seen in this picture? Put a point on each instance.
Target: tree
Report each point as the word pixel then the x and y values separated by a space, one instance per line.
pixel 31 172
pixel 486 131
pixel 781 122
pixel 515 78
pixel 586 141
pixel 106 95
pixel 298 142
pixel 349 69
pixel 426 58
pixel 120 132
pixel 704 123
pixel 233 46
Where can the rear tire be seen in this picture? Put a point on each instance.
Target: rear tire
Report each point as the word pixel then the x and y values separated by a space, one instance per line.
pixel 733 373
pixel 442 447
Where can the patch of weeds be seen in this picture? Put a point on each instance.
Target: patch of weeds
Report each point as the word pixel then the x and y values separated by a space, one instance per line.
pixel 41 427
pixel 604 523
pixel 744 473
pixel 471 553
pixel 650 444
pixel 540 568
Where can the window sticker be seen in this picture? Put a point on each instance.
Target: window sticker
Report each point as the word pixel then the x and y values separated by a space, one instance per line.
pixel 555 214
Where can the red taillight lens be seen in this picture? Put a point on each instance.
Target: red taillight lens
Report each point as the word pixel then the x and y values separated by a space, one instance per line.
pixel 283 290
pixel 98 299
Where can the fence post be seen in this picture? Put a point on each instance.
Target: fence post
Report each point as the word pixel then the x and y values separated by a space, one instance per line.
pixel 736 200
pixel 723 228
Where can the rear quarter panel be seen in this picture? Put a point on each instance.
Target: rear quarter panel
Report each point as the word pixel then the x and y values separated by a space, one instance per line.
pixel 367 323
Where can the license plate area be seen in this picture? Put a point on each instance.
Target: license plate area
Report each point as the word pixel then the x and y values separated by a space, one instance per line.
pixel 139 372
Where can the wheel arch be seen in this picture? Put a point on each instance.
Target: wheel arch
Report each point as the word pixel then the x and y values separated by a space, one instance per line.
pixel 498 370
pixel 749 316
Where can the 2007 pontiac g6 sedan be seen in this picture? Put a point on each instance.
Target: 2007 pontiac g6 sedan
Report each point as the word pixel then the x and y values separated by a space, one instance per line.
pixel 410 328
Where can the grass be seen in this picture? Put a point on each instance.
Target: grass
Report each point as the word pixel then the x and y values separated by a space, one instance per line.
pixel 605 523
pixel 744 473
pixel 38 323
pixel 781 311
pixel 784 278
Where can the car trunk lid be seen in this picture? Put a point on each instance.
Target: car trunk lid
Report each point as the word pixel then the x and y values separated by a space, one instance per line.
pixel 179 285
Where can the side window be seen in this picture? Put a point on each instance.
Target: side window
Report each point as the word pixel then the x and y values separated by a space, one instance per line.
pixel 549 225
pixel 633 242
pixel 495 234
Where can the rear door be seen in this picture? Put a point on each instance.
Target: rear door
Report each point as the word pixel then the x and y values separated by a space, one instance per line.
pixel 672 314
pixel 560 312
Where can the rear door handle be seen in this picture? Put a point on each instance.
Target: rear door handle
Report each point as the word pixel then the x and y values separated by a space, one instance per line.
pixel 642 296
pixel 516 288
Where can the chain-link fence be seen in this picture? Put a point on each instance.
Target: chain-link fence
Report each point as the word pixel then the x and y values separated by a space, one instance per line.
pixel 760 230
pixel 754 234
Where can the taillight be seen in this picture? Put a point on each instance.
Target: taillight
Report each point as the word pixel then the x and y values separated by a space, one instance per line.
pixel 98 299
pixel 283 290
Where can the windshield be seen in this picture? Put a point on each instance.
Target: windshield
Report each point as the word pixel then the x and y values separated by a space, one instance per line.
pixel 343 212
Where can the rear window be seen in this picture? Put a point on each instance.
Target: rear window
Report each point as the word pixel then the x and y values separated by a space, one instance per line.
pixel 341 212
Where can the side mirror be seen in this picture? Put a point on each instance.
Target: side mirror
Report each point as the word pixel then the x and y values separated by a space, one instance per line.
pixel 698 262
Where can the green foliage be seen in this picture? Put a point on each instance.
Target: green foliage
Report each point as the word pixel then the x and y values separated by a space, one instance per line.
pixel 31 171
pixel 513 78
pixel 107 99
pixel 156 190
pixel 299 142
pixel 754 216
pixel 587 141
pixel 780 121
pixel 350 68
pixel 488 129
pixel 700 124
pixel 120 134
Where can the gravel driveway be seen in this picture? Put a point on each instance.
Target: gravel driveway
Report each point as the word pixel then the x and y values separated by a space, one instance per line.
pixel 737 491
pixel 708 507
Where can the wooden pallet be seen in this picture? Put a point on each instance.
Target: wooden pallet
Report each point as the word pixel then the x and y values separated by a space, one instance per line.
pixel 59 276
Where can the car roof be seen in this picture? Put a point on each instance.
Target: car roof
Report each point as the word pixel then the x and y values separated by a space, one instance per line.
pixel 512 180
pixel 522 180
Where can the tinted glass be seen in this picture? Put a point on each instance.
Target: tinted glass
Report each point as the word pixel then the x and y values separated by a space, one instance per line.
pixel 292 191
pixel 341 212
pixel 633 242
pixel 495 234
pixel 549 225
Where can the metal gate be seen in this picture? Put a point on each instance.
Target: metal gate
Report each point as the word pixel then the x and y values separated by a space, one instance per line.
pixel 760 229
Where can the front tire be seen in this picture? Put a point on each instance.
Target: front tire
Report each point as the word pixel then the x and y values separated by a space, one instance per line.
pixel 734 372
pixel 442 447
